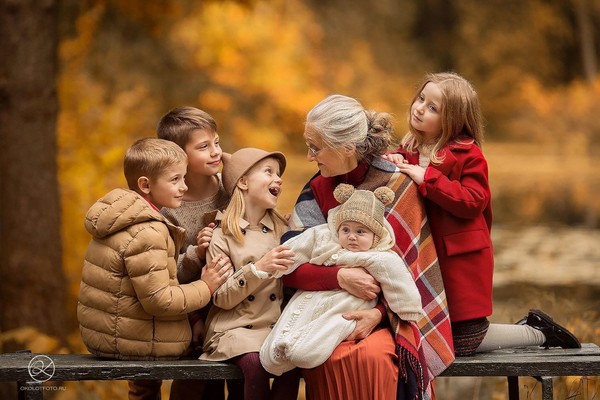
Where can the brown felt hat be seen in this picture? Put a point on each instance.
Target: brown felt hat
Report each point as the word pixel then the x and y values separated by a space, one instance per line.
pixel 237 164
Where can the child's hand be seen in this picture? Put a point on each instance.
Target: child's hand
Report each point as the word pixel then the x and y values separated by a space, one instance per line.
pixel 397 159
pixel 203 240
pixel 278 259
pixel 416 172
pixel 216 272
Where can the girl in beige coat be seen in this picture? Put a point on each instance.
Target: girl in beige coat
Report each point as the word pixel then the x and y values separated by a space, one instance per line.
pixel 248 304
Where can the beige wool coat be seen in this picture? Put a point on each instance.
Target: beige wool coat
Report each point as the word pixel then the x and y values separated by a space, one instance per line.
pixel 246 307
pixel 130 305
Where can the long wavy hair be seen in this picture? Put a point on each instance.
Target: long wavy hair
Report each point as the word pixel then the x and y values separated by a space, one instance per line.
pixel 460 112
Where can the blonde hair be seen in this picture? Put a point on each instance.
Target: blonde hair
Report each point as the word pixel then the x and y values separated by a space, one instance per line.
pixel 178 124
pixel 460 114
pixel 230 224
pixel 236 210
pixel 341 121
pixel 149 157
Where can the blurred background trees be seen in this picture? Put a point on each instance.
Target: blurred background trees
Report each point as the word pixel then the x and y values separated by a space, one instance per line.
pixel 32 280
pixel 258 66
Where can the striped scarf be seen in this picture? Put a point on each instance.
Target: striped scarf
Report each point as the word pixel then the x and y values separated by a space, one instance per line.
pixel 430 352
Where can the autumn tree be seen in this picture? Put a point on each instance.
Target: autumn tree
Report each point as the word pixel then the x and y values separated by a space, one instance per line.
pixel 32 283
pixel 586 33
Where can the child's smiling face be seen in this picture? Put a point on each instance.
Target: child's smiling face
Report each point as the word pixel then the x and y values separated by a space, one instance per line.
pixel 168 188
pixel 204 153
pixel 262 183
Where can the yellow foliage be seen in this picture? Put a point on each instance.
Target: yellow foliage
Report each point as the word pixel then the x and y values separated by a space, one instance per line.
pixel 94 131
pixel 149 12
pixel 28 337
pixel 217 99
pixel 267 64
pixel 270 48
pixel 75 49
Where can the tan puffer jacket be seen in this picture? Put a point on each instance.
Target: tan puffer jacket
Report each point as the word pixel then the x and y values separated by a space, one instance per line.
pixel 131 306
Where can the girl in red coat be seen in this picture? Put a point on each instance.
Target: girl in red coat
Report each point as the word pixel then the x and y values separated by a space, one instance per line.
pixel 442 154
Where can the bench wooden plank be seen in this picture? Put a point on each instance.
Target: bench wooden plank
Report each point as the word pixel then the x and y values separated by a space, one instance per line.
pixel 512 363
pixel 77 367
pixel 530 361
pixel 535 362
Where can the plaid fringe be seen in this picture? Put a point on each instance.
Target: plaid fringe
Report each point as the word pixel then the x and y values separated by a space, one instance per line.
pixel 408 340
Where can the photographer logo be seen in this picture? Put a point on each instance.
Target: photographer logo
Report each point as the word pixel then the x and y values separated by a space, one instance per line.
pixel 41 368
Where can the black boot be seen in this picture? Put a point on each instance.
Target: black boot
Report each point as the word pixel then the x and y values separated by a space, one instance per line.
pixel 556 335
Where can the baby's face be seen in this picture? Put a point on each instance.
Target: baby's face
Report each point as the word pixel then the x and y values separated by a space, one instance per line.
pixel 354 236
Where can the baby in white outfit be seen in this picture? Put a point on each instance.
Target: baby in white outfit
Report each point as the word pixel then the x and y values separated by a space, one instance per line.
pixel 356 235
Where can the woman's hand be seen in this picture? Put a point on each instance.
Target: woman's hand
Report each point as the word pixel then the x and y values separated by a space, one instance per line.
pixel 366 321
pixel 358 282
pixel 416 172
pixel 203 240
pixel 278 259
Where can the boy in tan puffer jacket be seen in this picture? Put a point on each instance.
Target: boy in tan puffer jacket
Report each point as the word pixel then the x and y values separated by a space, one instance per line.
pixel 131 306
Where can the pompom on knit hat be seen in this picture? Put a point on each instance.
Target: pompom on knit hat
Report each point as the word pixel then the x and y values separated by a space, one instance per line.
pixel 363 206
pixel 237 164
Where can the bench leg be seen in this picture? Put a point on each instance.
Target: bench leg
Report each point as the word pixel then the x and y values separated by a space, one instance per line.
pixel 513 387
pixel 547 389
pixel 30 391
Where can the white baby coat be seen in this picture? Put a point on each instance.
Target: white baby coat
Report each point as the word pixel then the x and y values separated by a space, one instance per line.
pixel 311 325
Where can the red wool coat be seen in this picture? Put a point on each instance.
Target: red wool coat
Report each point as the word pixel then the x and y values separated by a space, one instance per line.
pixel 458 203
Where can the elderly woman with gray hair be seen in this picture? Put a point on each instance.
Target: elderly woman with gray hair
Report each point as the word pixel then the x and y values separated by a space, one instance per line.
pixel 384 357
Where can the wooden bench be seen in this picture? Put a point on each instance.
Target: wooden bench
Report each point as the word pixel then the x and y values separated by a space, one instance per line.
pixel 535 362
pixel 30 370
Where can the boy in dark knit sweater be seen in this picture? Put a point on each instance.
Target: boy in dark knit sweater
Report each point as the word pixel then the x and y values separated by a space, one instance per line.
pixel 195 131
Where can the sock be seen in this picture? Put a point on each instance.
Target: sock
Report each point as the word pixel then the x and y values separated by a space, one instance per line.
pixel 506 336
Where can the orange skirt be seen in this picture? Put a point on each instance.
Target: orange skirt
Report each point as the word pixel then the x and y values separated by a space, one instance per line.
pixel 367 370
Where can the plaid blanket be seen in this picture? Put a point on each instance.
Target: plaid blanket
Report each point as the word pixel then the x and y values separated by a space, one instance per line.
pixel 433 347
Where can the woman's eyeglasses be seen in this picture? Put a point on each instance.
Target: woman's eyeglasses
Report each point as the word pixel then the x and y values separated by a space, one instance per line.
pixel 313 150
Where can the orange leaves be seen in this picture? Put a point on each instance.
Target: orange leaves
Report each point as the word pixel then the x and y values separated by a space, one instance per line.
pixel 556 114
pixel 255 50
pixel 74 49
pixel 32 339
pixel 217 99
pixel 151 13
